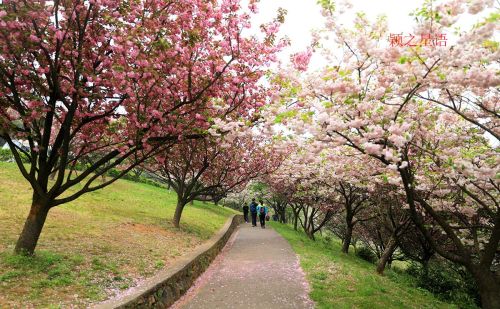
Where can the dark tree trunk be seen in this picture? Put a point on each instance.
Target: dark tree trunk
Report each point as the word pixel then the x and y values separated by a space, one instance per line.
pixel 33 226
pixel 347 239
pixel 425 266
pixel 178 213
pixel 295 218
pixel 282 216
pixel 307 225
pixel 489 287
pixel 386 255
pixel 310 234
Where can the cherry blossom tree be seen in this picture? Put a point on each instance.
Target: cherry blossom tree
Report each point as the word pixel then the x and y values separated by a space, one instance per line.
pixel 355 203
pixel 415 246
pixel 353 183
pixel 280 205
pixel 392 221
pixel 283 186
pixel 298 183
pixel 114 82
pixel 429 114
pixel 212 167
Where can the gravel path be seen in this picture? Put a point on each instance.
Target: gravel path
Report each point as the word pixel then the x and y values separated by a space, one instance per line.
pixel 256 269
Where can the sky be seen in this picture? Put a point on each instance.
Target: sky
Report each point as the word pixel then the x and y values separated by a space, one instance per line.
pixel 305 15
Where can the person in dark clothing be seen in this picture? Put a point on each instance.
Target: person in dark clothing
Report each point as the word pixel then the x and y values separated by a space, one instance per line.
pixel 263 212
pixel 253 212
pixel 245 213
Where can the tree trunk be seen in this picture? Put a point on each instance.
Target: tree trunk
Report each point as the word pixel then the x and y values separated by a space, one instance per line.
pixel 425 267
pixel 488 286
pixel 282 216
pixel 386 255
pixel 310 234
pixel 309 230
pixel 32 229
pixel 347 239
pixel 178 213
pixel 295 220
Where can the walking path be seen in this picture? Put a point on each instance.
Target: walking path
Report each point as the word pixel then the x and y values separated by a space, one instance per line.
pixel 257 269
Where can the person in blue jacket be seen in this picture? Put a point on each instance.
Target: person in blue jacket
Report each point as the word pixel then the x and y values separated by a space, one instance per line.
pixel 262 211
pixel 253 212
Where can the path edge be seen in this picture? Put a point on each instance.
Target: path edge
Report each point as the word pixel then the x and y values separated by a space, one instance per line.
pixel 166 287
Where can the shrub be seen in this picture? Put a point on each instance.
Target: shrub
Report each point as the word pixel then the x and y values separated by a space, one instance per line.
pixel 114 173
pixel 366 254
pixel 151 182
pixel 328 239
pixel 448 282
pixel 6 155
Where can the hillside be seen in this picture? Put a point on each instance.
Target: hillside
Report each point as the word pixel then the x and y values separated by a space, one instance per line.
pixel 92 248
pixel 338 280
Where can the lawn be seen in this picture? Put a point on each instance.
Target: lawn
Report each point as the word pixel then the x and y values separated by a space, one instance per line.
pixel 96 246
pixel 338 280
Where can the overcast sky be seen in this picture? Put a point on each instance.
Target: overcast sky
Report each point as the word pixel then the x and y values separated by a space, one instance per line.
pixel 305 15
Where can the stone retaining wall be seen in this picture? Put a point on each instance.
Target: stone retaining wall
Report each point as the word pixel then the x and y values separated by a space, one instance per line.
pixel 162 290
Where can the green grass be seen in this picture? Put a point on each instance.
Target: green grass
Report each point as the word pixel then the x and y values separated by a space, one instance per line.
pixel 338 280
pixel 96 246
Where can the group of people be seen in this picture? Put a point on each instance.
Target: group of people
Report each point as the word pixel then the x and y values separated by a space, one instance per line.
pixel 257 209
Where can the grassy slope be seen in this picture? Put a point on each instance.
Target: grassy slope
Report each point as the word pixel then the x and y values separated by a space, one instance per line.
pixel 346 281
pixel 97 245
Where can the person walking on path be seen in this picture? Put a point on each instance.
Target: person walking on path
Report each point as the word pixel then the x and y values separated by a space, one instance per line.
pixel 253 212
pixel 262 211
pixel 245 212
